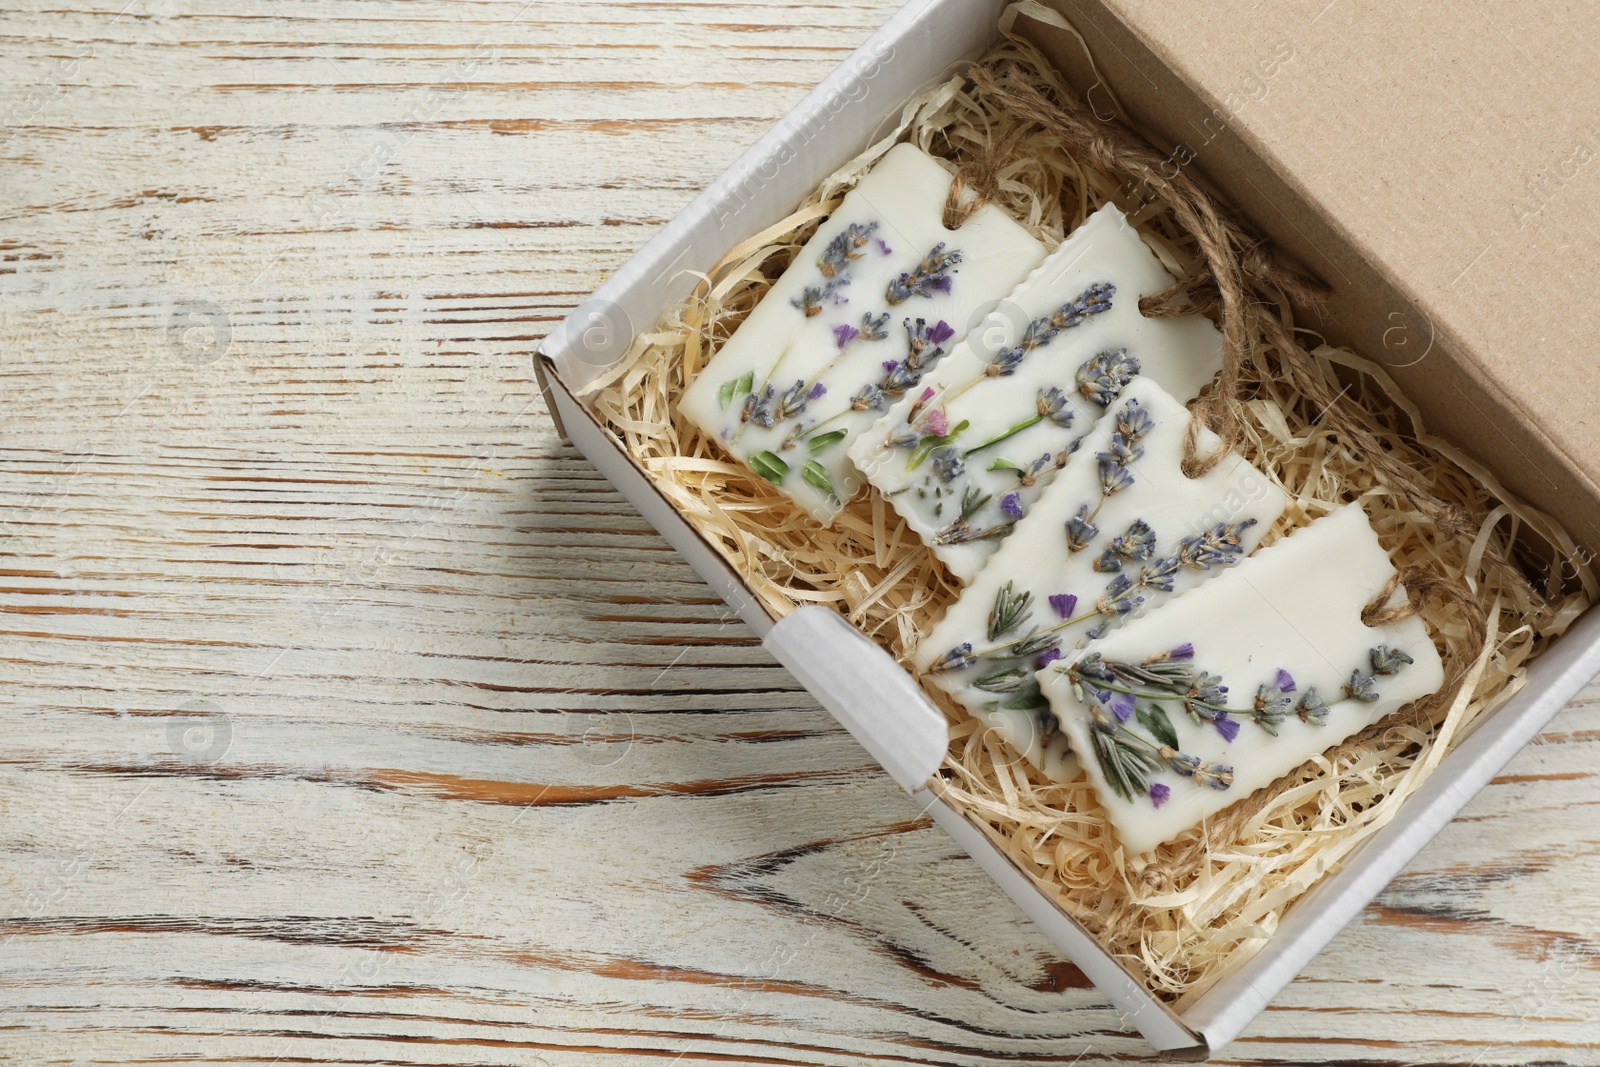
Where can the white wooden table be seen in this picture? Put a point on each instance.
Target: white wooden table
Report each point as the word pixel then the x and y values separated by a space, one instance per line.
pixel 352 717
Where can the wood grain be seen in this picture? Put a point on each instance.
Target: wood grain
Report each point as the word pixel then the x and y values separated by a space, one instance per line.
pixel 353 718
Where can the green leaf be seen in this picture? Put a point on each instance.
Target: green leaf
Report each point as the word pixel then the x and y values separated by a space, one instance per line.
pixel 1008 680
pixel 973 499
pixel 1105 753
pixel 1009 612
pixel 735 387
pixel 816 474
pixel 1127 769
pixel 926 446
pixel 1006 465
pixel 770 467
pixel 817 444
pixel 1152 718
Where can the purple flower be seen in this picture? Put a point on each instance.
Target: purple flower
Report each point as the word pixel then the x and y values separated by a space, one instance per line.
pixel 936 423
pixel 1063 604
pixel 890 365
pixel 1228 728
pixel 1273 702
pixel 927 395
pixel 884 248
pixel 1119 704
pixel 947 464
pixel 816 391
pixel 844 333
pixel 1047 658
pixel 941 284
pixel 1011 504
pixel 1159 794
pixel 941 332
pixel 957 659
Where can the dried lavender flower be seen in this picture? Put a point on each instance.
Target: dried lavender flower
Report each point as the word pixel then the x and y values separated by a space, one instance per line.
pixel 1159 575
pixel 1052 405
pixel 1080 531
pixel 1114 474
pixel 947 463
pixel 874 327
pixel 869 398
pixel 758 408
pixel 1137 542
pixel 1207 696
pixel 1119 598
pixel 1386 660
pixel 845 249
pixel 1119 704
pixel 792 403
pixel 1312 708
pixel 930 276
pixel 957 659
pixel 1102 377
pixel 1360 687
pixel 1134 421
pixel 1063 604
pixel 1220 545
pixel 810 300
pixel 1273 701
pixel 925 343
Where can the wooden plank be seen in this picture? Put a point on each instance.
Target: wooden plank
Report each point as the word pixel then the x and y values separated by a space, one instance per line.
pixel 354 718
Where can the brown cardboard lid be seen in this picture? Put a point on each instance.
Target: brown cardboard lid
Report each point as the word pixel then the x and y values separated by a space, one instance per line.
pixel 1436 163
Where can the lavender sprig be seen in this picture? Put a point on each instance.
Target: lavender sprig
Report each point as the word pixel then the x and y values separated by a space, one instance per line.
pixel 1137 543
pixel 1204 696
pixel 1218 546
pixel 930 276
pixel 1112 690
pixel 1092 301
pixel 838 256
pixel 1050 404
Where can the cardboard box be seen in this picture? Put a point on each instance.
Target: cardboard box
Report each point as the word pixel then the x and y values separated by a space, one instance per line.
pixel 1365 216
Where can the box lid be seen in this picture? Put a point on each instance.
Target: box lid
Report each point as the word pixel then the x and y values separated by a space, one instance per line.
pixel 1437 164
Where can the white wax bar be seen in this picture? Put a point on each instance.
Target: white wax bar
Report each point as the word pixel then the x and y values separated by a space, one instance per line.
pixel 1289 616
pixel 852 324
pixel 1035 376
pixel 1161 515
